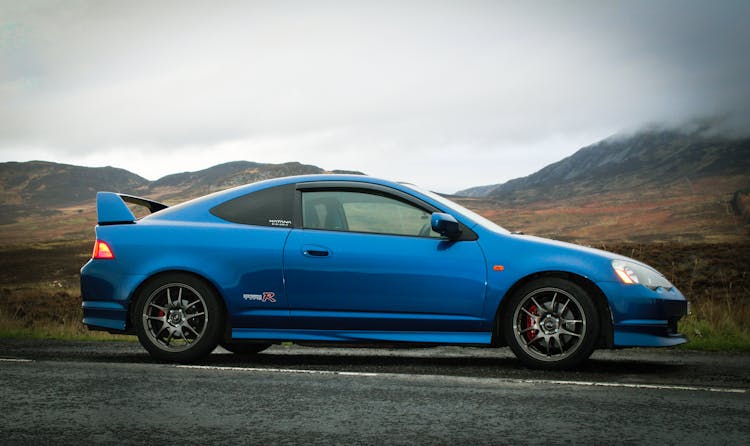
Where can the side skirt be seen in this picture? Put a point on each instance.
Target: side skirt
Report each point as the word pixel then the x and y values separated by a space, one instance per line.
pixel 357 336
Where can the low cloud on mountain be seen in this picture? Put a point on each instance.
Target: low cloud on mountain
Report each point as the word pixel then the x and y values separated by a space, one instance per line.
pixel 447 94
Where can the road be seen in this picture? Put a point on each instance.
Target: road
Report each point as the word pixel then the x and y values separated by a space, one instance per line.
pixel 59 392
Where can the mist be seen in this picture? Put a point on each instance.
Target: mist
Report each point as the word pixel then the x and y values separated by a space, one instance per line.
pixel 445 94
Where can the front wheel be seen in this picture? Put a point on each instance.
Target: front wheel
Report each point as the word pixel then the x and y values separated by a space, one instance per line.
pixel 551 323
pixel 178 318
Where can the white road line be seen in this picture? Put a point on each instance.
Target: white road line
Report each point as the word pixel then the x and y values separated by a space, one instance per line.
pixel 267 370
pixel 473 379
pixel 635 385
pixel 15 360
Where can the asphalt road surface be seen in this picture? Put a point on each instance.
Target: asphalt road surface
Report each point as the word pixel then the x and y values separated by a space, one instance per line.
pixel 54 392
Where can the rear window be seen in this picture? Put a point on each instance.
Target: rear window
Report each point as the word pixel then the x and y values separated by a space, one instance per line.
pixel 267 207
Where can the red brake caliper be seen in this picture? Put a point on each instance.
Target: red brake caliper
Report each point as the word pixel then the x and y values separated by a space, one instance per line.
pixel 531 334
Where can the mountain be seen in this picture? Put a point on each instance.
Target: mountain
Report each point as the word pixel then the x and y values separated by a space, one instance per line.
pixel 43 184
pixel 45 200
pixel 185 185
pixel 655 185
pixel 651 186
pixel 40 187
pixel 644 161
pixel 223 176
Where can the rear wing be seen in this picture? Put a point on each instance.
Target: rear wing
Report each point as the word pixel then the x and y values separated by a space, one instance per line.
pixel 112 208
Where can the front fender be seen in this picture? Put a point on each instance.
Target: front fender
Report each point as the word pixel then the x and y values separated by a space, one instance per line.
pixel 511 259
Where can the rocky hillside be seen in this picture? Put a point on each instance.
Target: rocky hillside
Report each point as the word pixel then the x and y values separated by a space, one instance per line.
pixel 223 176
pixel 181 186
pixel 656 185
pixel 40 187
pixel 52 199
pixel 644 161
pixel 40 184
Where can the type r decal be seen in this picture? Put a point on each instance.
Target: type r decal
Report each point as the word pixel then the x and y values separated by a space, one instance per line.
pixel 267 296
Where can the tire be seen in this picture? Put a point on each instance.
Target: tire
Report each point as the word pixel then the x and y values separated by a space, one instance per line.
pixel 178 318
pixel 551 323
pixel 245 348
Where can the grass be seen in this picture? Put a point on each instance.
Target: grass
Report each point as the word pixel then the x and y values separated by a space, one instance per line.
pixel 44 313
pixel 15 330
pixel 717 326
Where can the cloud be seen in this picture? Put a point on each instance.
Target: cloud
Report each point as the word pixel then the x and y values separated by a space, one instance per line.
pixel 447 94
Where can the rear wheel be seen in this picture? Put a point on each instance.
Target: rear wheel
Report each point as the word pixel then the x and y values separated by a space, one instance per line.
pixel 245 348
pixel 551 323
pixel 178 318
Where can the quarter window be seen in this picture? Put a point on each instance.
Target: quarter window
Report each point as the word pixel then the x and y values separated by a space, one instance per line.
pixel 267 207
pixel 364 212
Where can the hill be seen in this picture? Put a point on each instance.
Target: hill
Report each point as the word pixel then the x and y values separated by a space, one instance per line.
pixel 643 161
pixel 182 186
pixel 654 185
pixel 41 200
pixel 40 187
pixel 45 184
pixel 179 186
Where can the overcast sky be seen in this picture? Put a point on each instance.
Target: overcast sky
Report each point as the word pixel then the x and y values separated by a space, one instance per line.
pixel 444 94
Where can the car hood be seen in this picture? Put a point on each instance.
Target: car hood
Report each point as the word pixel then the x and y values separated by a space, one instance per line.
pixel 527 254
pixel 571 247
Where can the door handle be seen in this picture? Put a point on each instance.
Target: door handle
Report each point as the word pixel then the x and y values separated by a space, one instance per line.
pixel 315 251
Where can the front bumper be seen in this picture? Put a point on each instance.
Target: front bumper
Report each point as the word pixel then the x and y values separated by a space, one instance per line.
pixel 642 317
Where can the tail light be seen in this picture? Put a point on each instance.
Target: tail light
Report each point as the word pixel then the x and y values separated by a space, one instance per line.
pixel 102 251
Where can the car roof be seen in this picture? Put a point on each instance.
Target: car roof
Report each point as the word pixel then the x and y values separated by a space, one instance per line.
pixel 196 208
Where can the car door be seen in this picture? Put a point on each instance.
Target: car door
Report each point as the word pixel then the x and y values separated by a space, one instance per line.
pixel 367 259
pixel 248 256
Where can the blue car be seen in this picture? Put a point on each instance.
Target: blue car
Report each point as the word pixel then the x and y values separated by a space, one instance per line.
pixel 355 259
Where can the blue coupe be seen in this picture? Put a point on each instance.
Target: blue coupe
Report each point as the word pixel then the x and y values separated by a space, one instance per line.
pixel 355 259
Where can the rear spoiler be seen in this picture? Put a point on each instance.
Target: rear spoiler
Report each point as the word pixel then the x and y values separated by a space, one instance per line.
pixel 112 208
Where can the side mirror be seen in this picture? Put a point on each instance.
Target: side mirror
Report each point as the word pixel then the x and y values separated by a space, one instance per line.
pixel 445 225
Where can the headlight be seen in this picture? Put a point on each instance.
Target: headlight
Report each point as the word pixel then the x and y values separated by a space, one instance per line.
pixel 632 273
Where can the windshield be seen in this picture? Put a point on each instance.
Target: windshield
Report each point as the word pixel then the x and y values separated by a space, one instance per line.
pixel 471 215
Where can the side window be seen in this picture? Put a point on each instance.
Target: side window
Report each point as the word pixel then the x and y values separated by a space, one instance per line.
pixel 364 212
pixel 267 207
